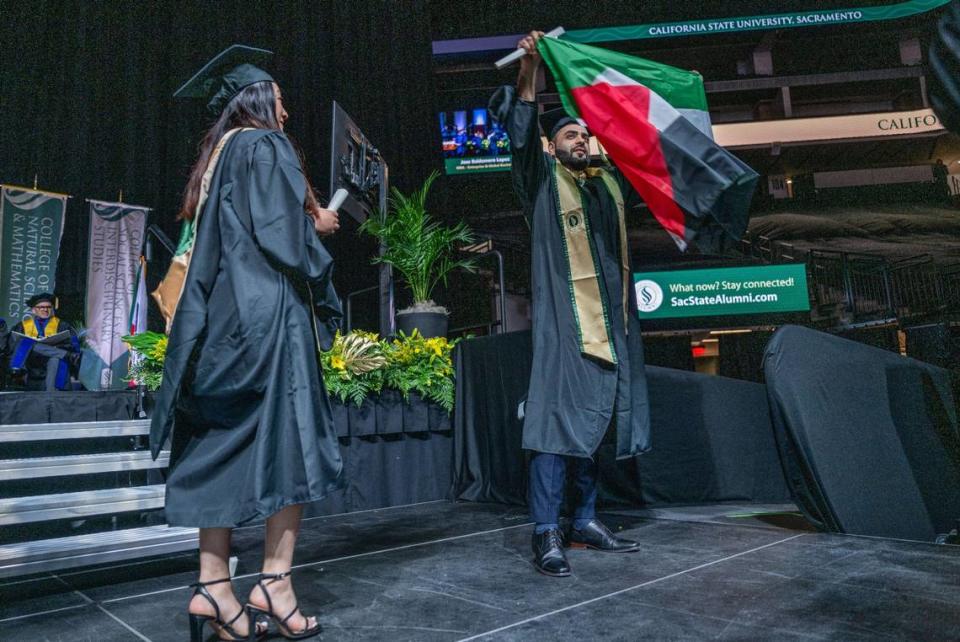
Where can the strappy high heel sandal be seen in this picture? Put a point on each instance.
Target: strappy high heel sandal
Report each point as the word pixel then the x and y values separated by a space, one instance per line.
pixel 197 621
pixel 256 612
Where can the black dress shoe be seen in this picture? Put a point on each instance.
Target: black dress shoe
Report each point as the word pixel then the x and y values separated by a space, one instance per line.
pixel 549 557
pixel 598 537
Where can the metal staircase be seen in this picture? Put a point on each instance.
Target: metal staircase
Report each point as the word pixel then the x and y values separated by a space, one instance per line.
pixel 40 496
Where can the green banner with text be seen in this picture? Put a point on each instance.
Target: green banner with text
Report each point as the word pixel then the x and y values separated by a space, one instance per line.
pixel 31 224
pixel 814 18
pixel 738 290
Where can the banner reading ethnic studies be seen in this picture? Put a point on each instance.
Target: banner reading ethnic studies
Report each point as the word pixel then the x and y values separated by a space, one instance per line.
pixel 738 290
pixel 31 224
pixel 116 237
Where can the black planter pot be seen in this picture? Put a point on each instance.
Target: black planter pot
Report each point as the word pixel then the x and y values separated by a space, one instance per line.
pixel 430 324
pixel 340 419
pixel 415 414
pixel 363 418
pixel 389 411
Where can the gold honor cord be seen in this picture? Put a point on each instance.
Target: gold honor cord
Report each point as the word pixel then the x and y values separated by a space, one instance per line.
pixel 589 308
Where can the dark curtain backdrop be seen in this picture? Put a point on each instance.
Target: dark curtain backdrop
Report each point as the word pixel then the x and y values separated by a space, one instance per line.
pixel 741 355
pixel 712 437
pixel 86 106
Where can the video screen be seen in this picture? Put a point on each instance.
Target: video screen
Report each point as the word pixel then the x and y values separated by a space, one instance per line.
pixel 473 142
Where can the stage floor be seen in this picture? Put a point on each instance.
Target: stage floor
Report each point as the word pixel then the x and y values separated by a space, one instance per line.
pixel 459 571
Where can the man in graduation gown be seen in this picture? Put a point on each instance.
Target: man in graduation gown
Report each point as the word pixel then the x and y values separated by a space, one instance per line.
pixel 46 366
pixel 588 372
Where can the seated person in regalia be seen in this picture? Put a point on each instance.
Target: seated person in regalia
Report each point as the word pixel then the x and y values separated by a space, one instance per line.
pixel 43 365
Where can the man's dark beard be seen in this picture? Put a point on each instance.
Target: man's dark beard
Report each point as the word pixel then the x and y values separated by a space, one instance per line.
pixel 568 160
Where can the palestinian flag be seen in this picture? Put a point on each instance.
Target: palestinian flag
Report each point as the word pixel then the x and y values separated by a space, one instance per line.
pixel 138 310
pixel 652 120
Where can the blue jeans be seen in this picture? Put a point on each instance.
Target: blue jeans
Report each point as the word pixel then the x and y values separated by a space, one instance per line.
pixel 548 477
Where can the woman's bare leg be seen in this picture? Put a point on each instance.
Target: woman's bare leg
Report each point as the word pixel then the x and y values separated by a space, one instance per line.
pixel 282 530
pixel 215 565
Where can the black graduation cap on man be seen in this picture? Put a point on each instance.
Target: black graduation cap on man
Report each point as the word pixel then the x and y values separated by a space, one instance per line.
pixel 553 120
pixel 226 75
pixel 37 299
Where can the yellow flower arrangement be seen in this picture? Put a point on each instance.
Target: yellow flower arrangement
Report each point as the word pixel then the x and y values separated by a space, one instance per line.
pixel 151 347
pixel 353 366
pixel 421 365
pixel 357 365
pixel 360 363
pixel 159 351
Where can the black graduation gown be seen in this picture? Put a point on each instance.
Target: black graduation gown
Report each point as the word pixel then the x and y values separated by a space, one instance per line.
pixel 242 389
pixel 572 398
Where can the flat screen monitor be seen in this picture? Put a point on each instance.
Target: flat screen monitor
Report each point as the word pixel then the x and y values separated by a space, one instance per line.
pixel 473 142
pixel 356 165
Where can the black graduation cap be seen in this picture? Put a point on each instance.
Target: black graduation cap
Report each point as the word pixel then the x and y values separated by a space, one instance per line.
pixel 36 299
pixel 553 120
pixel 226 75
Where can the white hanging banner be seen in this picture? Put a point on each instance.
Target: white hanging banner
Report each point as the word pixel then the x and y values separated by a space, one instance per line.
pixel 113 261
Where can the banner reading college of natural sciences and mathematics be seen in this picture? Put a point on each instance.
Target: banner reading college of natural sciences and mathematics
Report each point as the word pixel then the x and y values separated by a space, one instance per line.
pixel 31 224
pixel 116 238
pixel 737 290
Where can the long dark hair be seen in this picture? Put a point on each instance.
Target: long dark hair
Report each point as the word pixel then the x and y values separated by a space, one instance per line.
pixel 254 107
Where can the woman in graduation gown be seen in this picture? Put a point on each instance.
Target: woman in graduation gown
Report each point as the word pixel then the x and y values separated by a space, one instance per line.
pixel 242 393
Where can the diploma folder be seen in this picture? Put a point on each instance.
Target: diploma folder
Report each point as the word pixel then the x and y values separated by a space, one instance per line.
pixel 52 340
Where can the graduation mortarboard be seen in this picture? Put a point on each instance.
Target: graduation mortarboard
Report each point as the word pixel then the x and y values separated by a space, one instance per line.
pixel 37 299
pixel 226 75
pixel 553 120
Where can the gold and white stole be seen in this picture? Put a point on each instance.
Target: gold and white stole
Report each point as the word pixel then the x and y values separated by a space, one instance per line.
pixel 589 306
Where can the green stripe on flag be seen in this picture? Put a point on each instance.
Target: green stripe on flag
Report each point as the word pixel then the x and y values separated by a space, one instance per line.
pixel 575 65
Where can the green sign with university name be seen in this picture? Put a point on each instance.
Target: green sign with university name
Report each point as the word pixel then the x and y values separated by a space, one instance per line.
pixel 738 290
pixel 819 17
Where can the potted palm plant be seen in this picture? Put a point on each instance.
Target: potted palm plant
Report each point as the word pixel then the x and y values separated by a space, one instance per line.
pixel 422 250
